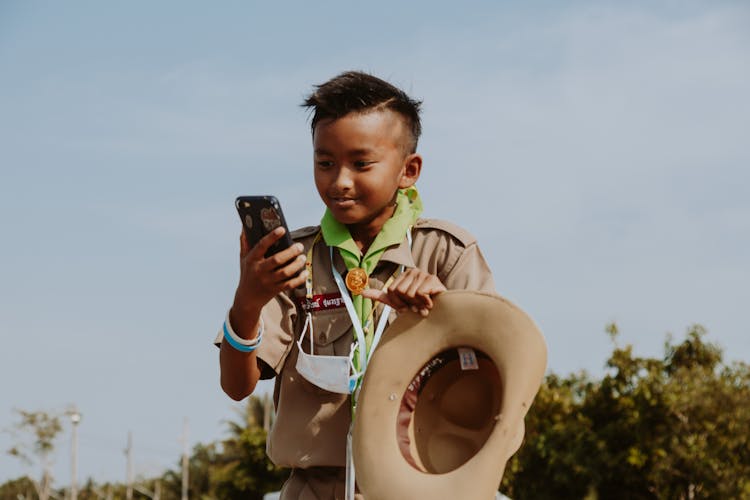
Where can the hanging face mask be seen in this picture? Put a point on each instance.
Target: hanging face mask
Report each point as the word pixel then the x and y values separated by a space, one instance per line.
pixel 332 373
pixel 338 373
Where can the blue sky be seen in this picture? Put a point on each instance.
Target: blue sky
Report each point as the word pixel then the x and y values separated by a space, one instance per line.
pixel 597 150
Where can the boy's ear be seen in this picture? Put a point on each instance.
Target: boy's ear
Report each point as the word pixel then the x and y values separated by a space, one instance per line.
pixel 412 169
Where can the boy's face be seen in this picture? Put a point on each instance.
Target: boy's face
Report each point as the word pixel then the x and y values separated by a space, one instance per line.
pixel 360 161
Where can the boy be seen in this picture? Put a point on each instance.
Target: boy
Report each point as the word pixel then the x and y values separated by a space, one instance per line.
pixel 365 134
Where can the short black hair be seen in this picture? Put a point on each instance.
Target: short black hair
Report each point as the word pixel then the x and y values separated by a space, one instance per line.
pixel 358 92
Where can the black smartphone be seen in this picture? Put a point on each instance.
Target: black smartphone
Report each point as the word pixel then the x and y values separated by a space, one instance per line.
pixel 260 215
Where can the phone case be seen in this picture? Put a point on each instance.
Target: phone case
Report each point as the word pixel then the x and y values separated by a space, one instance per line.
pixel 260 215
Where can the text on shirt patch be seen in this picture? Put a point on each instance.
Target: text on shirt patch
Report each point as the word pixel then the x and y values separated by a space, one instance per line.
pixel 321 302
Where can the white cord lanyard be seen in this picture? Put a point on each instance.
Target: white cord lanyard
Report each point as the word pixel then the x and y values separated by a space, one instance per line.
pixel 364 356
pixel 350 478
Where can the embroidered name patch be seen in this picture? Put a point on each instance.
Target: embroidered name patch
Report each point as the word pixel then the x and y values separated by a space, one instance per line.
pixel 321 302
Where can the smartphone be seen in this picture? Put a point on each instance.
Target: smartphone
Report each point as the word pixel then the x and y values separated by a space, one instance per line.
pixel 260 215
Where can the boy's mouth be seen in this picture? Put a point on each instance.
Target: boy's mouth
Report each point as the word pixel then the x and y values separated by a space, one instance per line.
pixel 343 202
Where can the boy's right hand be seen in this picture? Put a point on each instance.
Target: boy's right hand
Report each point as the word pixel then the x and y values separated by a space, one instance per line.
pixel 261 278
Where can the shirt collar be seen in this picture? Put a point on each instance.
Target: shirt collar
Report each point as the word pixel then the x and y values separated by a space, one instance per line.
pixel 399 254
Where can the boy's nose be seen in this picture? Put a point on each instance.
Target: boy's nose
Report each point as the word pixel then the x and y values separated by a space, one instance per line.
pixel 343 180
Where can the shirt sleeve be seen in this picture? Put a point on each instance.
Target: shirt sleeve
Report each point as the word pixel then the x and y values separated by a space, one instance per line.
pixel 279 316
pixel 470 271
pixel 452 254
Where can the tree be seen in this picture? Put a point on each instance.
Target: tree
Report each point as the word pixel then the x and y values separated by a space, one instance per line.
pixel 674 427
pixel 201 464
pixel 15 489
pixel 244 470
pixel 44 428
pixel 236 467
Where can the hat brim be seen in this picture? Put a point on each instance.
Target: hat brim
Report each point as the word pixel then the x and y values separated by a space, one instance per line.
pixel 485 322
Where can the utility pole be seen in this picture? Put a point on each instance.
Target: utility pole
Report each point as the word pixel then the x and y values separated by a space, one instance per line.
pixel 153 495
pixel 129 455
pixel 75 419
pixel 185 460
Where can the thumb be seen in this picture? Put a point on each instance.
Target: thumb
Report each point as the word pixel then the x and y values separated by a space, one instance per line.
pixel 374 294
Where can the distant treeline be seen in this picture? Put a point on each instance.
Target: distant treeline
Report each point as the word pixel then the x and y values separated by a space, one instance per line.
pixel 673 427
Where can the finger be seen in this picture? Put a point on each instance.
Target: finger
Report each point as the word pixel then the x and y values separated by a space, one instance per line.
pixel 244 247
pixel 437 288
pixel 290 269
pixel 384 297
pixel 417 284
pixel 284 257
pixel 425 294
pixel 413 303
pixel 295 282
pixel 396 301
pixel 378 295
pixel 401 303
pixel 427 301
pixel 407 290
pixel 260 248
pixel 430 287
pixel 402 284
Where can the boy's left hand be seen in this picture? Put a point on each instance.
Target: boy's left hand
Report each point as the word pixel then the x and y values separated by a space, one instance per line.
pixel 413 289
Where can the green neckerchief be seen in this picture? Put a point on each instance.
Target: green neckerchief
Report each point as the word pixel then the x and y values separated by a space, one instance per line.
pixel 336 234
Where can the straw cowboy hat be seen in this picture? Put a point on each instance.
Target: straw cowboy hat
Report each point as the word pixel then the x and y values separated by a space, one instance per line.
pixel 443 400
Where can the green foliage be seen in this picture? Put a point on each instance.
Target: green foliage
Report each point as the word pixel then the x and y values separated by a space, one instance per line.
pixel 43 428
pixel 236 467
pixel 22 487
pixel 676 427
pixel 244 470
pixel 201 463
pixel 671 427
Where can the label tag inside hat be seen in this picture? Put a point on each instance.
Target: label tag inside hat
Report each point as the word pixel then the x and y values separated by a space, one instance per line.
pixel 468 358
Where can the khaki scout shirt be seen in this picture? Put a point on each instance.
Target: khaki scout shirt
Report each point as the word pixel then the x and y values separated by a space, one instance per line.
pixel 311 423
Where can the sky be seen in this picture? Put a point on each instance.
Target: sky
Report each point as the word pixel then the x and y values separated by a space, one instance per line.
pixel 597 150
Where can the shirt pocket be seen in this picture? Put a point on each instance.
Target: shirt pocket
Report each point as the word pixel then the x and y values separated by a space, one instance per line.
pixel 332 333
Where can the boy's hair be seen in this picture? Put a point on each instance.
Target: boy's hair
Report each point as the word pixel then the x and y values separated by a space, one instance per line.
pixel 357 92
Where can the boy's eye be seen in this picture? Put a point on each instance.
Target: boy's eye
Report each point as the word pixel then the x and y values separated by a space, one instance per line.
pixel 324 163
pixel 362 163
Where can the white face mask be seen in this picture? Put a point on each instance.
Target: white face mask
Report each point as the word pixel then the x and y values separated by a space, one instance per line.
pixel 337 373
pixel 332 373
